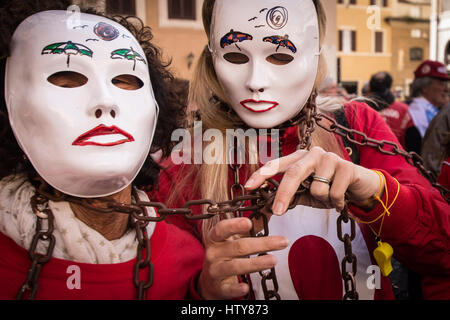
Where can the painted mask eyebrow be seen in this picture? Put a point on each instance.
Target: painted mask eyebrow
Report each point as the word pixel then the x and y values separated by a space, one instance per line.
pixel 128 55
pixel 281 41
pixel 233 37
pixel 68 48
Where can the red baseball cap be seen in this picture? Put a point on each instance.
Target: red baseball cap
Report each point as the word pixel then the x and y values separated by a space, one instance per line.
pixel 433 69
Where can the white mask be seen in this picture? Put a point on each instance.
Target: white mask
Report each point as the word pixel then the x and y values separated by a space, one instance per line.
pixel 250 42
pixel 90 140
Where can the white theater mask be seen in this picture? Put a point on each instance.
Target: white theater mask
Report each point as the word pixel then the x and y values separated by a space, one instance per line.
pixel 80 101
pixel 265 54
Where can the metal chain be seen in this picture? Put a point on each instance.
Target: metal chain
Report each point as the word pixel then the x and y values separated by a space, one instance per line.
pixel 39 204
pixel 238 189
pixel 347 276
pixel 267 276
pixel 384 147
pixel 143 250
pixel 307 125
pixel 349 257
pixel 42 235
pixel 260 201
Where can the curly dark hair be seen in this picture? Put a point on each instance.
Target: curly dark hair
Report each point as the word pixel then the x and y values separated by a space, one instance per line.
pixel 172 108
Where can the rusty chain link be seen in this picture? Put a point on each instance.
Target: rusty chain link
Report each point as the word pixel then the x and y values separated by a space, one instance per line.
pixel 44 214
pixel 349 257
pixel 256 202
pixel 143 250
pixel 39 202
pixel 268 275
pixel 237 196
pixel 384 147
pixel 307 123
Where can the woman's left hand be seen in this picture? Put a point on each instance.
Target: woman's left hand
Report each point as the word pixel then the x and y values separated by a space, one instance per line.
pixel 360 184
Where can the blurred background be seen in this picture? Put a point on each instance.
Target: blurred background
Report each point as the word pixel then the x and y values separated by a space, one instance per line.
pixel 363 36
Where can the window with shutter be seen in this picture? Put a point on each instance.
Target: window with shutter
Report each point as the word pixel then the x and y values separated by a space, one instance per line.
pixel 416 54
pixel 380 3
pixel 353 40
pixel 124 7
pixel 378 41
pixel 347 40
pixel 181 9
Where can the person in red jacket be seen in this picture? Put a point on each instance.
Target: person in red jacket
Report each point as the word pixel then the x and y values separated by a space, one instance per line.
pixel 250 77
pixel 79 119
pixel 395 113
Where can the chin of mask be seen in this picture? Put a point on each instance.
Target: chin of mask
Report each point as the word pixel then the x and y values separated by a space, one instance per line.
pixel 265 55
pixel 80 101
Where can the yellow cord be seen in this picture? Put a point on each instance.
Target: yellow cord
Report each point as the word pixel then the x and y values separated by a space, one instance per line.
pixel 384 205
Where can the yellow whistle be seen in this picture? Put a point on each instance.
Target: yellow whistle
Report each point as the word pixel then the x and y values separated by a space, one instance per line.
pixel 383 255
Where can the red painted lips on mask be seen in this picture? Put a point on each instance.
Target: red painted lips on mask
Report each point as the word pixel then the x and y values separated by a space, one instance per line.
pixel 252 105
pixel 102 130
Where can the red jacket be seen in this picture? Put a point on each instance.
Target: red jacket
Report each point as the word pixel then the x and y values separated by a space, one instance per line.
pixel 398 119
pixel 419 225
pixel 444 176
pixel 177 258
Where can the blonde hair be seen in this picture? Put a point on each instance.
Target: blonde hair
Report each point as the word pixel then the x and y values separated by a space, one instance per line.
pixel 207 95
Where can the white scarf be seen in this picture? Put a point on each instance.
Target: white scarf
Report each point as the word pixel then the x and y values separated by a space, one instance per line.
pixel 75 241
pixel 422 112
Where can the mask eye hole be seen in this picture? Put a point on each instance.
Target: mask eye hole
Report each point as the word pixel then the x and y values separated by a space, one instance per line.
pixel 127 82
pixel 236 57
pixel 67 79
pixel 280 59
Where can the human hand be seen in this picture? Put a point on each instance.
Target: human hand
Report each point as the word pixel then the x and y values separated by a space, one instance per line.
pixel 346 178
pixel 227 257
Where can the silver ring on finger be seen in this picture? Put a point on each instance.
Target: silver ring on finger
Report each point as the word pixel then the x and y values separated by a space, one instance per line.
pixel 321 179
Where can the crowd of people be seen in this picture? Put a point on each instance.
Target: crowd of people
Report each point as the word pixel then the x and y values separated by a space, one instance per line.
pixel 420 122
pixel 88 181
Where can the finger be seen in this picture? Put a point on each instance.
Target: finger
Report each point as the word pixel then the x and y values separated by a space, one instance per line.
pixel 292 179
pixel 341 181
pixel 229 227
pixel 233 290
pixel 272 168
pixel 325 169
pixel 227 268
pixel 247 246
pixel 221 288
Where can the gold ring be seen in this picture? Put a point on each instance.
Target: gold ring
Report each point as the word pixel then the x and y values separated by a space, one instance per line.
pixel 321 179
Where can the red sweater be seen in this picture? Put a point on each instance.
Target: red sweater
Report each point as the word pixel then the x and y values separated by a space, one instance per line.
pixel 177 258
pixel 419 225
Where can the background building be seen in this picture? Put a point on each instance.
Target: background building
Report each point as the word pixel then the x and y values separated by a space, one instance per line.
pixel 382 35
pixel 410 27
pixel 178 29
pixel 363 36
pixel 364 45
pixel 440 31
pixel 176 25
